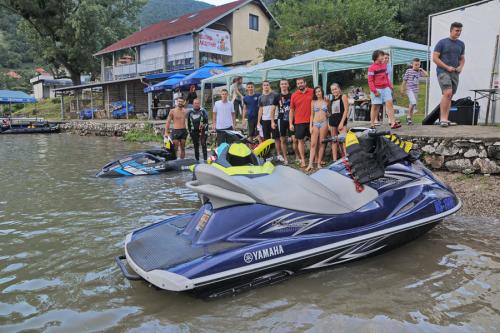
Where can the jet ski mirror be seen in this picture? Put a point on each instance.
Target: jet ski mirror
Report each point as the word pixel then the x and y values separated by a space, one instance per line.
pixel 375 133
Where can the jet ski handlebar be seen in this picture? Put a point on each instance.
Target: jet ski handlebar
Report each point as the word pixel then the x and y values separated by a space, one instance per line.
pixel 336 138
pixel 374 133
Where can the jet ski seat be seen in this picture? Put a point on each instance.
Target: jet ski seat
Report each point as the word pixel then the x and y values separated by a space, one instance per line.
pixel 285 187
pixel 345 188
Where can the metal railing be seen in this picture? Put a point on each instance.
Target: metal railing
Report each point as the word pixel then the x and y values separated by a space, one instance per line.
pixel 150 65
pixel 180 61
pixel 175 62
pixel 108 73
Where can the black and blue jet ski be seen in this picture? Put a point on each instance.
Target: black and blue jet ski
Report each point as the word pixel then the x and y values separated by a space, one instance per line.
pixel 254 231
pixel 149 162
pixel 29 128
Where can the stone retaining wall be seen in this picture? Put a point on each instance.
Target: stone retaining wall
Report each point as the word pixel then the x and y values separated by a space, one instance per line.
pixel 460 155
pixel 106 128
pixel 455 155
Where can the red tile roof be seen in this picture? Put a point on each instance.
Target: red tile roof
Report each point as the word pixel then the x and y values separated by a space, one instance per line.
pixel 173 27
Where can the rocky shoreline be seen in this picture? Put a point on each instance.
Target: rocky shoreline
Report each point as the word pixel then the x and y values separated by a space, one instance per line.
pixel 466 156
pixel 480 195
pixel 107 128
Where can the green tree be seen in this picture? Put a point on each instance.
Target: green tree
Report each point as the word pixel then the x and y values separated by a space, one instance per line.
pixel 413 15
pixel 330 24
pixel 67 32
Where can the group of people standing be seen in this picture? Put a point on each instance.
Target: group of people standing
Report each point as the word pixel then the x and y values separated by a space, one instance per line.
pixel 284 116
pixel 308 112
pixel 281 116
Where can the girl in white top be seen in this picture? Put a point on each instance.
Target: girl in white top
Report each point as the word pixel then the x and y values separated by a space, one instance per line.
pixel 338 118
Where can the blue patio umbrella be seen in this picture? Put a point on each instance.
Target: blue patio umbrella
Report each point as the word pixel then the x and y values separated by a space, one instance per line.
pixel 167 84
pixel 13 96
pixel 206 71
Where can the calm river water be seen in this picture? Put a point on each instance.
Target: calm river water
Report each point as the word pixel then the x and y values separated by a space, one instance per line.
pixel 60 229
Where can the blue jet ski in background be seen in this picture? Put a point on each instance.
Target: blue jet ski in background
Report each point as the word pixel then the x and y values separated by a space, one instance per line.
pixel 149 162
pixel 255 231
pixel 154 161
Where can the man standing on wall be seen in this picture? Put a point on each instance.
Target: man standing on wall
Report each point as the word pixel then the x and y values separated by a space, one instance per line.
pixel 300 116
pixel 251 110
pixel 179 133
pixel 268 116
pixel 223 117
pixel 197 119
pixel 237 93
pixel 449 58
pixel 284 121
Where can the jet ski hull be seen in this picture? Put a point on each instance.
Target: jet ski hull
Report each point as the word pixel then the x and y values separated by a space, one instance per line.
pixel 275 244
pixel 248 276
pixel 147 163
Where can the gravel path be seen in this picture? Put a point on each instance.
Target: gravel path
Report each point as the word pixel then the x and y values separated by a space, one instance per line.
pixel 480 194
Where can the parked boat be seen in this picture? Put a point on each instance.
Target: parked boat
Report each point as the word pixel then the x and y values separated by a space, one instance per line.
pixel 6 127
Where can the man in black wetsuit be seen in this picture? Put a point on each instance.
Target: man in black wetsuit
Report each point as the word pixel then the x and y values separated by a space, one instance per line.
pixel 197 119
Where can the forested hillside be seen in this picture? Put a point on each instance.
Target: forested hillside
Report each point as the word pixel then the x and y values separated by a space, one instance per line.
pixel 157 10
pixel 15 53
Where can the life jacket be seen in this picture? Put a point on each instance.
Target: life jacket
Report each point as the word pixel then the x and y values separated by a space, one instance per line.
pixel 364 165
pixel 369 156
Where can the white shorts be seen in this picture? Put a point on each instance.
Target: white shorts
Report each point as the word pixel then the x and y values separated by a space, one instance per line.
pixel 385 95
pixel 412 97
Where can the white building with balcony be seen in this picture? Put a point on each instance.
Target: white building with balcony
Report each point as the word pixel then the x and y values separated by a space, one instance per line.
pixel 230 34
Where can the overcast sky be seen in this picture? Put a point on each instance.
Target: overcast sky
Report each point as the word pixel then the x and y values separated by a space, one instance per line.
pixel 217 2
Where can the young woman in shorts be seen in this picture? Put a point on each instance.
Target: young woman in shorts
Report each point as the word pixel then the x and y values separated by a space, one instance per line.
pixel 318 127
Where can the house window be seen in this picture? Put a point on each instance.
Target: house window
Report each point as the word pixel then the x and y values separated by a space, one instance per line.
pixel 253 22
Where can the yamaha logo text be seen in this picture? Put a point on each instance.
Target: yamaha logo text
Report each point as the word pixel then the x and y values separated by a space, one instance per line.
pixel 248 257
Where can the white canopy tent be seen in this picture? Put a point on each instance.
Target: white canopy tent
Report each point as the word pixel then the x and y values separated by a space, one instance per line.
pixel 354 57
pixel 323 62
pixel 252 73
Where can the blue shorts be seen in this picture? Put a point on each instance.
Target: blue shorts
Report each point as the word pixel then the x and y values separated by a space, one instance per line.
pixel 385 95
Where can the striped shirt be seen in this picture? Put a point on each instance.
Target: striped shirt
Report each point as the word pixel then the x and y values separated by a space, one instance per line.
pixel 412 77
